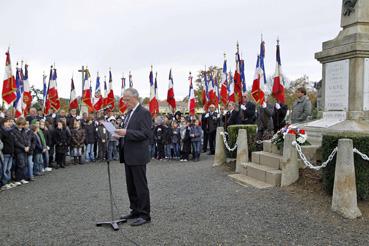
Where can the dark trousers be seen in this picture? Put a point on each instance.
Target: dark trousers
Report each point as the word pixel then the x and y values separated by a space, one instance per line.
pixel 161 153
pixel 51 154
pixel 102 149
pixel 205 143
pixel 60 159
pixel 20 166
pixel 212 141
pixel 138 191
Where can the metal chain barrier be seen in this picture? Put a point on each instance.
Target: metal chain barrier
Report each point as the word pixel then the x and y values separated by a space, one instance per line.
pixel 307 163
pixel 225 134
pixel 364 156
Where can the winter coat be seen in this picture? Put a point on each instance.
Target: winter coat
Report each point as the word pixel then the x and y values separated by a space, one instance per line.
pixel 301 109
pixel 90 131
pixel 61 139
pixel 38 148
pixel 20 140
pixel 77 138
pixel 195 133
pixel 186 139
pixel 168 135
pixel 31 140
pixel 265 120
pixel 102 134
pixel 176 135
pixel 6 136
pixel 159 134
pixel 248 113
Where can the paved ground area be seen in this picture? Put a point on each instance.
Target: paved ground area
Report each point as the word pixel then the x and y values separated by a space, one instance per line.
pixel 192 204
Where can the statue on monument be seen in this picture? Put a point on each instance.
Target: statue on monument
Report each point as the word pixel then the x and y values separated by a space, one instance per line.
pixel 349 7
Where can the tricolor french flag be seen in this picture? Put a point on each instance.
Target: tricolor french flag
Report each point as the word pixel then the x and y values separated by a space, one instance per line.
pixel 27 97
pixel 224 85
pixel 98 99
pixel 278 80
pixel 122 105
pixel 18 103
pixel 170 95
pixel 86 96
pixel 191 97
pixel 153 101
pixel 231 97
pixel 9 84
pixel 73 102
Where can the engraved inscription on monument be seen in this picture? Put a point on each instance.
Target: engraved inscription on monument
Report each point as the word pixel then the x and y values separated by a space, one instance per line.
pixel 366 85
pixel 336 85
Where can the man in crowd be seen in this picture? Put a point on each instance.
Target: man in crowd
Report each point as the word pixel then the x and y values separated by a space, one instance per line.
pixel 247 111
pixel 301 108
pixel 232 115
pixel 134 153
pixel 212 122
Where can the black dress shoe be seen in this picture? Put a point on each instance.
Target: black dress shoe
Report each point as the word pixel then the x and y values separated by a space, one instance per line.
pixel 129 217
pixel 140 221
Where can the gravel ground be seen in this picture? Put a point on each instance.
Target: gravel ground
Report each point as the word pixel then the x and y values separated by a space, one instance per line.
pixel 192 204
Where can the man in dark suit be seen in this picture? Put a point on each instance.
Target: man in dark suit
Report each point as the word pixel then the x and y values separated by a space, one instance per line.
pixel 233 116
pixel 134 153
pixel 247 111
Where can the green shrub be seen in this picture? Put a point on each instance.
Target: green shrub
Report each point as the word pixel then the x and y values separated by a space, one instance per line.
pixel 360 141
pixel 233 132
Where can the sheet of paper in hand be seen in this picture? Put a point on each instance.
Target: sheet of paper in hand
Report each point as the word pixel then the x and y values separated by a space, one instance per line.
pixel 110 127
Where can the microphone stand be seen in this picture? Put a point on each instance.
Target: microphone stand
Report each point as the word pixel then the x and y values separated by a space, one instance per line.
pixel 113 223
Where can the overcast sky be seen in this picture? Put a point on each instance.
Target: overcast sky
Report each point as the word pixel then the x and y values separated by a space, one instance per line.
pixel 131 35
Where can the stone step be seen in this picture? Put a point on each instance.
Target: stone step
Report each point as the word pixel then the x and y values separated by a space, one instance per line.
pixel 267 159
pixel 249 181
pixel 263 173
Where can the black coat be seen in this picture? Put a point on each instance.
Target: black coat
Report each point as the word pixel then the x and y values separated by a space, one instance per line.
pixel 8 140
pixel 233 118
pixel 248 115
pixel 134 148
pixel 61 140
pixel 279 117
pixel 20 140
pixel 90 131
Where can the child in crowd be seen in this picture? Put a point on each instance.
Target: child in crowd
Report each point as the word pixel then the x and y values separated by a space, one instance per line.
pixel 77 142
pixel 176 140
pixel 102 139
pixel 113 143
pixel 186 140
pixel 37 151
pixel 7 139
pixel 30 138
pixel 159 137
pixel 90 133
pixel 167 138
pixel 47 137
pixel 21 149
pixel 61 138
pixel 195 134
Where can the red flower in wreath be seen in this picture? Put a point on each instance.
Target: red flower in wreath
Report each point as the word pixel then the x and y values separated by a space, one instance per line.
pixel 302 131
pixel 291 131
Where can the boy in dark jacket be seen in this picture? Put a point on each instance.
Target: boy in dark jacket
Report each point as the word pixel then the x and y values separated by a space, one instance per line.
pixel 21 149
pixel 61 138
pixel 37 151
pixel 195 134
pixel 186 140
pixel 176 140
pixel 77 142
pixel 90 133
pixel 7 138
pixel 102 139
pixel 159 133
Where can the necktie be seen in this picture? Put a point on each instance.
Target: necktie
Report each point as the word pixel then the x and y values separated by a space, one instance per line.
pixel 126 121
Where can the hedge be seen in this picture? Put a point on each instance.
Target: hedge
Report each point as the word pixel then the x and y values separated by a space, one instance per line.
pixel 360 141
pixel 233 132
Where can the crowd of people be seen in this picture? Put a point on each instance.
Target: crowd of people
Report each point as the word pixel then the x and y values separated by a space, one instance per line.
pixel 37 144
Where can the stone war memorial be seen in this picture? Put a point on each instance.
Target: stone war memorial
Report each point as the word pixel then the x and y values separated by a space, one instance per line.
pixel 344 114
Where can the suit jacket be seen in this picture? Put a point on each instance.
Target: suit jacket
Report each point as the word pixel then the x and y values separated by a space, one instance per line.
pixel 134 147
pixel 233 118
